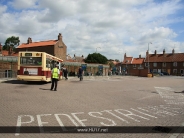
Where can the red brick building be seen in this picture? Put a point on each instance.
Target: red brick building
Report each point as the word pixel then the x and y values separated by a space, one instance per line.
pixel 133 66
pixel 9 52
pixel 173 63
pixel 53 47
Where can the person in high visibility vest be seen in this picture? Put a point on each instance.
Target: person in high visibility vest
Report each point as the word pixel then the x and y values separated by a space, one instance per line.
pixel 55 77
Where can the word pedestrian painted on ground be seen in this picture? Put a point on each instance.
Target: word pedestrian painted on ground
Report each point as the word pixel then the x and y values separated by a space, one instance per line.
pixel 125 116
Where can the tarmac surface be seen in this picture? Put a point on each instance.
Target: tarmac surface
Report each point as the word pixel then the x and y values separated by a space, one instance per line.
pixel 134 105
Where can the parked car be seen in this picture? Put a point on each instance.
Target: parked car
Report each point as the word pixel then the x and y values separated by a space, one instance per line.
pixel 165 73
pixel 157 74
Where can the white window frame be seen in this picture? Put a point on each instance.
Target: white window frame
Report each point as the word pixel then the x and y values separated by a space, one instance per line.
pixel 183 64
pixel 164 64
pixel 155 64
pixel 175 64
pixel 146 64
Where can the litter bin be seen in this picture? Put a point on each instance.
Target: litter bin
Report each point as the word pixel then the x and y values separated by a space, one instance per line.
pixel 149 75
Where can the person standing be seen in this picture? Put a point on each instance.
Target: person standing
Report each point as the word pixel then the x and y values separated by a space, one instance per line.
pixel 55 77
pixel 80 73
pixel 65 71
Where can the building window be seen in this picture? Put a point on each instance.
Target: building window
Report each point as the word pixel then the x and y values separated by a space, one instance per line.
pixel 154 64
pixel 175 71
pixel 183 63
pixel 134 65
pixel 164 64
pixel 182 71
pixel 146 64
pixel 174 64
pixel 140 65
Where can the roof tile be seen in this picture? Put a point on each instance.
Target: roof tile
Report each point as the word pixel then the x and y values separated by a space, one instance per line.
pixel 35 44
pixel 176 57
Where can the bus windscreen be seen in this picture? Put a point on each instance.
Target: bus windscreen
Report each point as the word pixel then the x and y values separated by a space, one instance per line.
pixel 32 61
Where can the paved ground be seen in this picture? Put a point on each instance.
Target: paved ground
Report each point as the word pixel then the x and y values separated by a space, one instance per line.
pixel 95 101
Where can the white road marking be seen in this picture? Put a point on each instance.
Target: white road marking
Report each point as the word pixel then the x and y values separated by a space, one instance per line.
pixel 169 95
pixel 146 97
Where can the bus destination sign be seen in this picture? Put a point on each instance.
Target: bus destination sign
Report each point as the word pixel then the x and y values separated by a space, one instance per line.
pixel 28 54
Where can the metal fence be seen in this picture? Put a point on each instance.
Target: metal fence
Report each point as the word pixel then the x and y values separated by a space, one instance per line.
pixel 8 74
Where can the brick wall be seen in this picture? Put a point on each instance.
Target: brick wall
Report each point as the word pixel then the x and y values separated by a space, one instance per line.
pixel 60 50
pixel 4 66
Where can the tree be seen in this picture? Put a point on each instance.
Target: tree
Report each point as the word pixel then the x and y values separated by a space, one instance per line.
pixel 96 58
pixel 117 60
pixel 11 42
pixel 111 64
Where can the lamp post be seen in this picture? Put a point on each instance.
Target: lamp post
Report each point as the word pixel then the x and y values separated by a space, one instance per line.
pixel 96 49
pixel 148 57
pixel 120 68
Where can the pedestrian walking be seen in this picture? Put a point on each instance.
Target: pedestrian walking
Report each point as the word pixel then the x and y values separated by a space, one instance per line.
pixel 65 72
pixel 80 73
pixel 55 77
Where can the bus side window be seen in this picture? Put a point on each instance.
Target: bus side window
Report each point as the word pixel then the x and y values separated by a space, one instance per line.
pixel 48 65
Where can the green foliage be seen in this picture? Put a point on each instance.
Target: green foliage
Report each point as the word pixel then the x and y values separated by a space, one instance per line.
pixel 11 42
pixel 117 60
pixel 111 64
pixel 96 58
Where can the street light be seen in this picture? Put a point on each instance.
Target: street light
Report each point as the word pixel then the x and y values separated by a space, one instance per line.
pixel 148 56
pixel 96 49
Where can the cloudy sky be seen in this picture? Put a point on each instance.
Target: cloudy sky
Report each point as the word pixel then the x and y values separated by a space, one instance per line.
pixel 110 27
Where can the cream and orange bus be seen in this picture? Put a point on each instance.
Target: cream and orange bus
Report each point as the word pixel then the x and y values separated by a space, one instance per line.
pixel 36 66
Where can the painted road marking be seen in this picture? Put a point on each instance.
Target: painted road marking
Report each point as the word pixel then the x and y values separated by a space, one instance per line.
pixel 133 114
pixel 169 95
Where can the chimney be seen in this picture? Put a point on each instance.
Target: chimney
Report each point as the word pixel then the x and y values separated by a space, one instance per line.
pixel 59 36
pixel 155 52
pixel 82 56
pixel 163 51
pixel 173 51
pixel 29 40
pixel 74 55
pixel 124 55
pixel 139 56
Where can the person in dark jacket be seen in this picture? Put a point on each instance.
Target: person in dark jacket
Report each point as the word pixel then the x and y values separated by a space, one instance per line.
pixel 80 73
pixel 65 72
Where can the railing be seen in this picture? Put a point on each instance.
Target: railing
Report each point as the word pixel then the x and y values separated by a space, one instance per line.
pixel 8 74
